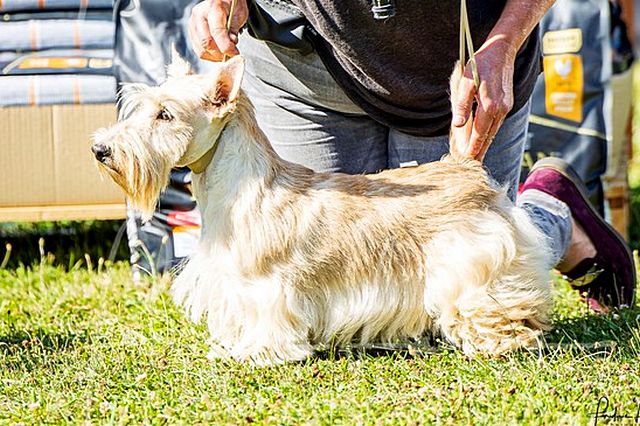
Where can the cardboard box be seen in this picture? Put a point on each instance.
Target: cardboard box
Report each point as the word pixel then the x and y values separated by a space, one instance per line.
pixel 47 171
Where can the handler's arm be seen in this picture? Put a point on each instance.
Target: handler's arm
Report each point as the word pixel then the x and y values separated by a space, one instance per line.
pixel 495 60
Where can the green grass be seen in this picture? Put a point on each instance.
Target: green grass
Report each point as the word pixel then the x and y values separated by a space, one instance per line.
pixel 90 345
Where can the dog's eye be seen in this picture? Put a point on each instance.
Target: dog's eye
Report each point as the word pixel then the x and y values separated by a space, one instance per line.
pixel 164 115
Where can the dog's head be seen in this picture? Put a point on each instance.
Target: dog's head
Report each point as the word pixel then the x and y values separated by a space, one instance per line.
pixel 162 127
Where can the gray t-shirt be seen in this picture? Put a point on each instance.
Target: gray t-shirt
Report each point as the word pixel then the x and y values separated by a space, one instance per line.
pixel 397 70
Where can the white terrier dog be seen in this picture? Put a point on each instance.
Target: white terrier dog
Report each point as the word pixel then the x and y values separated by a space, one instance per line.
pixel 290 259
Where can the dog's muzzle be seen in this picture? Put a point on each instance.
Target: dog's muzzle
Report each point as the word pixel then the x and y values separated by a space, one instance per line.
pixel 101 151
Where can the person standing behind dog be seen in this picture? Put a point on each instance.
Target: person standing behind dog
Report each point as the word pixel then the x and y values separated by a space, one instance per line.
pixel 356 87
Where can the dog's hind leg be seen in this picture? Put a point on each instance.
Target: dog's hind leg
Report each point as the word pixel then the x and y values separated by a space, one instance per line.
pixel 489 291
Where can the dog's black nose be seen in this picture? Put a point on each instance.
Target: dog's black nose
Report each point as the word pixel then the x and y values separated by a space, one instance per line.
pixel 101 151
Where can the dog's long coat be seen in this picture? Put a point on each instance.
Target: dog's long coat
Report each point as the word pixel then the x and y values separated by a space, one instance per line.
pixel 290 258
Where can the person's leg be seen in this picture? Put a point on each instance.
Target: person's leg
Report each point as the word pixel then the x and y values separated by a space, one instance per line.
pixel 323 140
pixel 597 261
pixel 405 149
pixel 306 116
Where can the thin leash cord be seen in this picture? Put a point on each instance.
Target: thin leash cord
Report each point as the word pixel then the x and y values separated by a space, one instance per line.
pixel 232 10
pixel 466 44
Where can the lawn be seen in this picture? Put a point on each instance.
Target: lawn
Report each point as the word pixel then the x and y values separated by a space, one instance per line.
pixel 81 342
pixel 90 345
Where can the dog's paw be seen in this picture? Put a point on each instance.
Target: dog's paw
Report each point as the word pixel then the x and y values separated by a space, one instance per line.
pixel 494 341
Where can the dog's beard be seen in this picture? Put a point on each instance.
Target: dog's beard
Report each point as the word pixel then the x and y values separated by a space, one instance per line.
pixel 141 172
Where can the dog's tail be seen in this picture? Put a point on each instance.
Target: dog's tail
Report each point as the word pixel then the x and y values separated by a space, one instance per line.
pixel 458 136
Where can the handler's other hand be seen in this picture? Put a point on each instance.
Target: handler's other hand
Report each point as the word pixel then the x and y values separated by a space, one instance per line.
pixel 208 28
pixel 495 62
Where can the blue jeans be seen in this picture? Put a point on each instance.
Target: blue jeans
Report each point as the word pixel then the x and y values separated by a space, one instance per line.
pixel 309 120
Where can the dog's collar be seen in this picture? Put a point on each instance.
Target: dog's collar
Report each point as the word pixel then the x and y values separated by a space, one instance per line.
pixel 200 165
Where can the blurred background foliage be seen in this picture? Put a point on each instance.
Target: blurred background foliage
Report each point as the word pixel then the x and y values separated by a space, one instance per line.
pixel 634 166
pixel 67 241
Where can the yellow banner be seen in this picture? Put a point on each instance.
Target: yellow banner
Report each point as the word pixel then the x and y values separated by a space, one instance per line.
pixel 564 84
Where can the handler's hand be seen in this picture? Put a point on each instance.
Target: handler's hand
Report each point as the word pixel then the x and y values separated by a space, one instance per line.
pixel 495 62
pixel 208 28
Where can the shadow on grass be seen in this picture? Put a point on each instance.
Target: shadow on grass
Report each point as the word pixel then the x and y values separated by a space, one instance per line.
pixel 41 340
pixel 619 330
pixel 589 333
pixel 428 345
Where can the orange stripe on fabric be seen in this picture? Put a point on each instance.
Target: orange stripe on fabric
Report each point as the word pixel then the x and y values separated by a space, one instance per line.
pixel 76 34
pixel 41 4
pixel 32 90
pixel 33 32
pixel 76 91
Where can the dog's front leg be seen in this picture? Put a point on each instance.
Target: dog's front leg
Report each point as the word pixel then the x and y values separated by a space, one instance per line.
pixel 271 324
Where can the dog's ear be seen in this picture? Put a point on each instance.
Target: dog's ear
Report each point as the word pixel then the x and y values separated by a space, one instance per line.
pixel 178 66
pixel 224 93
